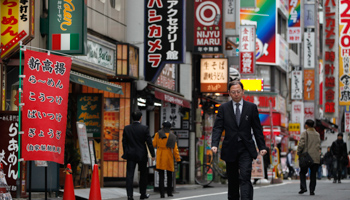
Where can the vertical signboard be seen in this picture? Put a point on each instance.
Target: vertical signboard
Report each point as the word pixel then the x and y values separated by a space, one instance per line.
pixel 309 50
pixel 17 24
pixel 230 20
pixel 89 112
pixel 298 113
pixel 9 149
pixel 347 122
pixel 294 28
pixel 68 26
pixel 45 98
pixel 309 84
pixel 309 110
pixel 331 57
pixel 264 17
pixel 214 75
pixel 344 53
pixel 309 15
pixel 164 35
pixel 247 49
pixel 297 85
pixel 208 31
pixel 283 53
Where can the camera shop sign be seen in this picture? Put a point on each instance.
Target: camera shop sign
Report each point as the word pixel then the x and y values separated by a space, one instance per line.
pixel 164 35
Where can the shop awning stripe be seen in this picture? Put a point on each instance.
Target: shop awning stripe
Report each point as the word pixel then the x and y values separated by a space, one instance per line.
pixel 95 83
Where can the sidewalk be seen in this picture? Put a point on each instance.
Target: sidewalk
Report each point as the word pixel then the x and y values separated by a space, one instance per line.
pixel 108 193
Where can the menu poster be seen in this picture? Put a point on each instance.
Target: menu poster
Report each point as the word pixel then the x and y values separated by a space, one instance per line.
pixel 89 111
pixel 111 129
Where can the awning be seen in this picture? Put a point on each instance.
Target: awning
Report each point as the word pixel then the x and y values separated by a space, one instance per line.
pixel 95 82
pixel 172 98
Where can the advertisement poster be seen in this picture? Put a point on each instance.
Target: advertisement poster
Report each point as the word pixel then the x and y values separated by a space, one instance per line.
pixel 9 148
pixel 264 17
pixel 111 129
pixel 45 98
pixel 89 111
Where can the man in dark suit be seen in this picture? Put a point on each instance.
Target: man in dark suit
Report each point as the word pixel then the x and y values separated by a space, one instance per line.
pixel 135 137
pixel 238 118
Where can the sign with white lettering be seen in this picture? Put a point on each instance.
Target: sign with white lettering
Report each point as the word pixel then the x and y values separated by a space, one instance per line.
pixel 208 33
pixel 164 35
pixel 214 75
pixel 294 29
pixel 309 110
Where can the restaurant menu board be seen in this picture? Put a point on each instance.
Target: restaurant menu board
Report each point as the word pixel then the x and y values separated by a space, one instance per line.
pixel 89 111
pixel 9 148
pixel 83 144
pixel 111 129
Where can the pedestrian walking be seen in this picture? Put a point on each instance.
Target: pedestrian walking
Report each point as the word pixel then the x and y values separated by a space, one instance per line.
pixel 165 143
pixel 136 139
pixel 238 118
pixel 339 153
pixel 290 164
pixel 309 142
pixel 328 161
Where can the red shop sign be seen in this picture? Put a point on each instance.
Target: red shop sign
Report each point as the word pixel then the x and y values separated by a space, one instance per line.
pixel 45 98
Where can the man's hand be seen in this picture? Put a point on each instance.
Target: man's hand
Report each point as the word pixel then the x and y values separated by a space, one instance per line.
pixel 263 152
pixel 214 149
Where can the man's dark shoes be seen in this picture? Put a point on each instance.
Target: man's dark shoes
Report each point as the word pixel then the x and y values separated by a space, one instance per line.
pixel 312 193
pixel 130 198
pixel 162 196
pixel 302 191
pixel 339 181
pixel 170 195
pixel 144 196
pixel 334 181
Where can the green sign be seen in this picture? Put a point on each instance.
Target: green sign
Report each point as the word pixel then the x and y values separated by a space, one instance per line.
pixel 89 111
pixel 67 21
pixel 248 4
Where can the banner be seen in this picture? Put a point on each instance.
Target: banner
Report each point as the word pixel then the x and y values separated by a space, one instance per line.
pixel 164 35
pixel 347 122
pixel 309 50
pixel 264 17
pixel 294 28
pixel 247 40
pixel 297 85
pixel 344 53
pixel 45 98
pixel 208 31
pixel 309 84
pixel 331 57
pixel 9 148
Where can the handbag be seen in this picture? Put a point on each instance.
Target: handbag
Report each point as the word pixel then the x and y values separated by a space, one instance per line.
pixel 305 159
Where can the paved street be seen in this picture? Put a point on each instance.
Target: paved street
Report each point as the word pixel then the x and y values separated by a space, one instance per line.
pixel 288 190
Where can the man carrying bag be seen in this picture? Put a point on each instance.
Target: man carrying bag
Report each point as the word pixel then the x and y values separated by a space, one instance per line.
pixel 309 156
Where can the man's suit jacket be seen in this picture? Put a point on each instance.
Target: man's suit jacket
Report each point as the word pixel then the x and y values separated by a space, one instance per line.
pixel 135 137
pixel 226 120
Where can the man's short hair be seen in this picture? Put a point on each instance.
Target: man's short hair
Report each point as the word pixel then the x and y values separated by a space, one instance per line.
pixel 235 83
pixel 136 115
pixel 340 134
pixel 310 123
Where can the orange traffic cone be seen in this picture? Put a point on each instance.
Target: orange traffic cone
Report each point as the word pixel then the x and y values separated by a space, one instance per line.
pixel 68 185
pixel 95 190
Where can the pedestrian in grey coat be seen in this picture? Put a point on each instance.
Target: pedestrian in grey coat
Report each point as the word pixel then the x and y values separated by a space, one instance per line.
pixel 309 141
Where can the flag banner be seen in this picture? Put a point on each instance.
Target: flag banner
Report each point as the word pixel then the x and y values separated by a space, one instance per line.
pixel 45 98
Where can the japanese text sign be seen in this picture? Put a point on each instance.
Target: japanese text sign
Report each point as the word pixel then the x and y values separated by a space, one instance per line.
pixel 89 111
pixel 331 57
pixel 9 148
pixel 294 128
pixel 297 85
pixel 164 35
pixel 294 29
pixel 208 31
pixel 247 49
pixel 309 50
pixel 309 84
pixel 17 23
pixel 297 112
pixel 309 110
pixel 214 75
pixel 264 17
pixel 45 98
pixel 347 121
pixel 68 26
pixel 344 53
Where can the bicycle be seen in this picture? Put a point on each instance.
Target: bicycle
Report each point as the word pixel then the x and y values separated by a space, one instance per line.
pixel 205 173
